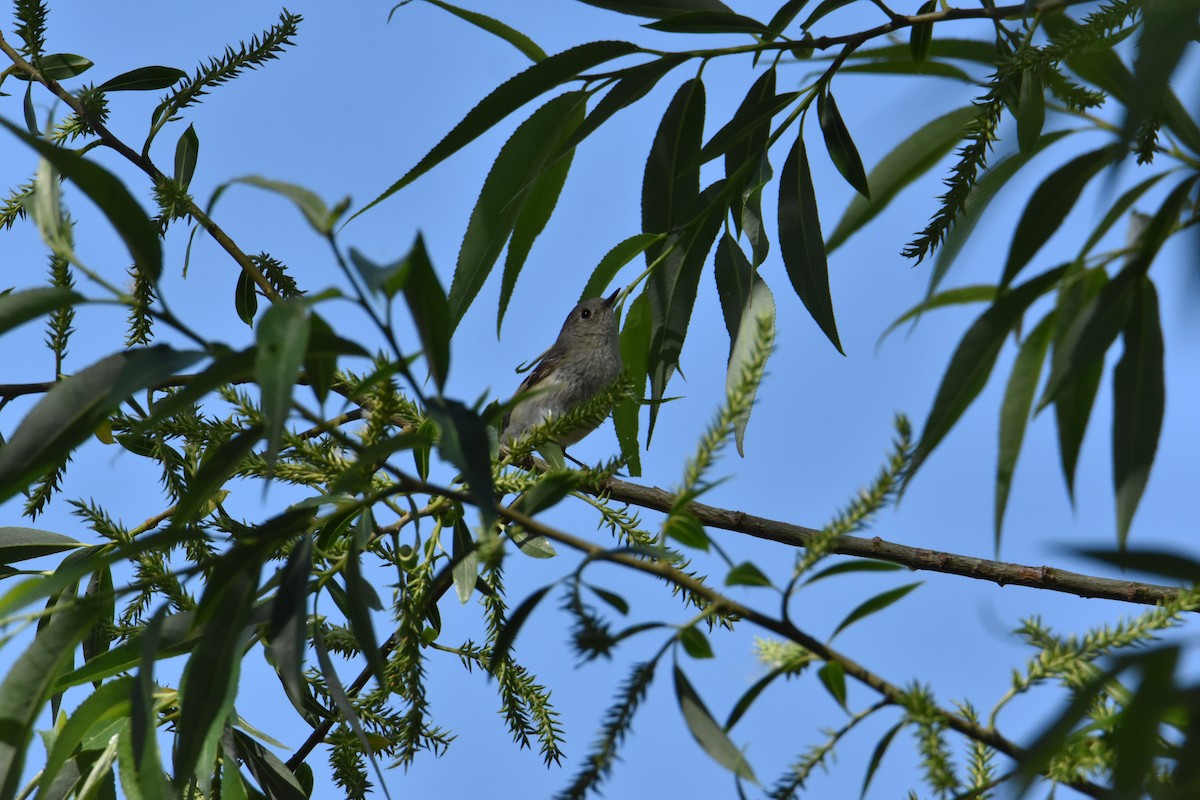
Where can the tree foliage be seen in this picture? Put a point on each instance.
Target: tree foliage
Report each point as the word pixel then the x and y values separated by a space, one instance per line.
pixel 200 584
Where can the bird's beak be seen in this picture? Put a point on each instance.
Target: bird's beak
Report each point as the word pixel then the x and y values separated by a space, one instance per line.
pixel 610 301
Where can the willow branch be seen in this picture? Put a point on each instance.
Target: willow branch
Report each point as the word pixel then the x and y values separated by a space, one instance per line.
pixel 143 163
pixel 1002 573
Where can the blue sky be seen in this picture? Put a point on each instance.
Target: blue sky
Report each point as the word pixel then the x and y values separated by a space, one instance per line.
pixel 358 101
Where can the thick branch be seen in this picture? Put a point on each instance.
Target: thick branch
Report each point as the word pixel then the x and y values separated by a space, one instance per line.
pixel 1000 572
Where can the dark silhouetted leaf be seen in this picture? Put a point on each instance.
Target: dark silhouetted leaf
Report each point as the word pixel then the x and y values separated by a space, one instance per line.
pixel 615 259
pixel 1049 205
pixel 276 780
pixel 144 79
pixel 709 22
pixel 734 278
pixel 658 9
pixel 1030 111
pixel 801 243
pixel 18 308
pixel 876 603
pixel 671 182
pixel 1138 399
pixel 877 756
pixel 857 565
pixel 282 339
pixel 833 678
pixel 1168 27
pixel 985 293
pixel 245 298
pixel 187 149
pixel 695 643
pixel 1014 411
pixel 972 361
pixel 635 347
pixel 109 193
pixel 495 27
pixel 921 33
pixel 507 98
pixel 840 144
pixel 463 441
pixel 430 311
pixel 1117 210
pixel 19 544
pixel 707 732
pixel 289 618
pixel 1163 563
pixel 516 619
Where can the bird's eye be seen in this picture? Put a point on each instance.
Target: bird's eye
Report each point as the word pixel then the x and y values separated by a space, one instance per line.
pixel 586 313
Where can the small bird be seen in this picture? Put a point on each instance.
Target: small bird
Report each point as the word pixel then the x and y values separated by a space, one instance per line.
pixel 584 361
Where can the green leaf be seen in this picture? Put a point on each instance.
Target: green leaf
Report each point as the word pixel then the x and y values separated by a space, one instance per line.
pixel 734 277
pixel 877 755
pixel 508 634
pixel 747 574
pixel 245 298
pixel 1075 397
pixel 826 7
pixel 1014 411
pixel 840 145
pixel 466 562
pixel 833 678
pixel 72 410
pixel 1049 205
pixel 186 151
pixel 360 598
pixel 612 599
pixel 1030 111
pixel 551 487
pixel 801 243
pixel 857 565
pixel 750 695
pixel 217 467
pixel 1117 210
pixel 672 288
pixel 108 702
pixel 972 361
pixel 507 98
pixel 59 66
pixel 493 26
pixel 671 182
pixel 658 9
pixel 463 441
pixel 276 780
pixel 709 22
pixel 695 643
pixel 876 603
pixel 20 544
pixel 615 259
pixel 310 204
pixel 18 308
pixel 1161 563
pixel 928 69
pixel 1138 401
pixel 26 686
pixel 523 162
pixel 227 366
pixel 1162 225
pixel 744 136
pixel 684 528
pixel 922 33
pixel 282 339
pixel 176 635
pixel 635 347
pixel 982 293
pixel 711 737
pixel 430 311
pixel 289 621
pixel 109 193
pixel 144 79
pixel 760 306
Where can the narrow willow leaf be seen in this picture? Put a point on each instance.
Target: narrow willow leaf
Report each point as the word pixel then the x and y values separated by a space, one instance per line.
pixel 1117 210
pixel 306 200
pixel 26 686
pixel 635 348
pixel 734 276
pixel 463 441
pixel 508 634
pixel 658 8
pixel 551 487
pixel 1030 111
pixel 282 340
pixel 709 22
pixel 684 528
pixel 522 160
pixel 1168 27
pixel 833 678
pixel 109 193
pixel 750 695
pixel 760 308
pixel 1138 400
pixel 360 598
pixel 671 182
pixel 972 361
pixel 612 599
pixel 217 467
pixel 493 26
pixel 1049 205
pixel 921 33
pixel 1171 564
pixel 245 298
pixel 982 293
pixel 276 780
pixel 877 756
pixel 289 617
pixel 876 603
pixel 107 703
pixel 615 259
pixel 1014 411
pixel 857 565
pixel 19 544
pixel 840 144
pixel 59 66
pixel 466 562
pixel 826 7
pixel 1162 225
pixel 227 366
pixel 801 243
pixel 672 288
pixel 72 410
pixel 507 98
pixel 186 151
pixel 430 311
pixel 929 69
pixel 144 79
pixel 741 135
pixel 707 732
pixel 20 307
